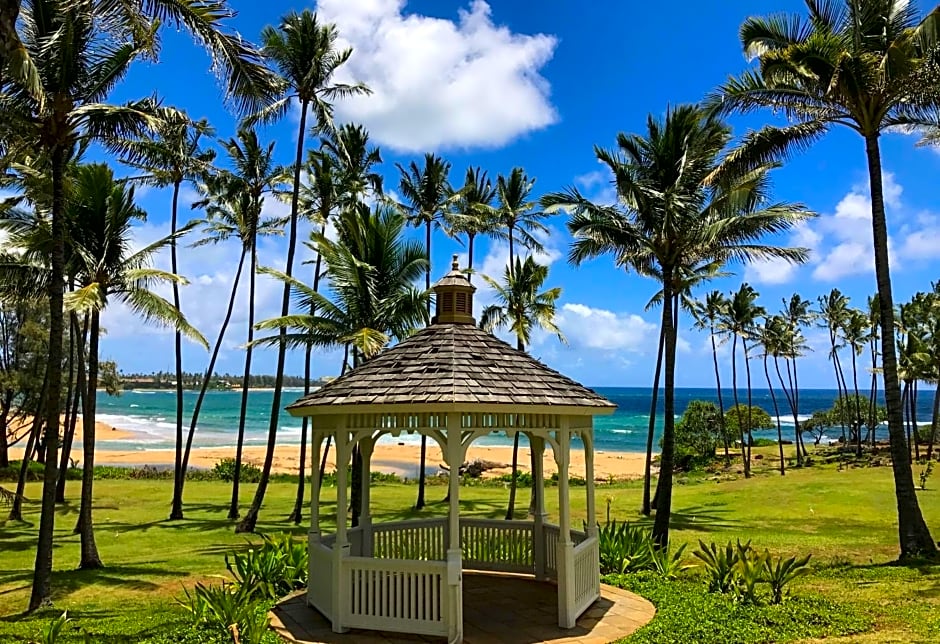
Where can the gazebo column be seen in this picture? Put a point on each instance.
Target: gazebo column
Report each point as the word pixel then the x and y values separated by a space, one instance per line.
pixel 539 514
pixel 341 545
pixel 564 559
pixel 366 447
pixel 588 439
pixel 454 597
pixel 313 535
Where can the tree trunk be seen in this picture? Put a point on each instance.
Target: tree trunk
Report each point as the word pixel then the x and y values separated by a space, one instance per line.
pixel 721 403
pixel 914 425
pixel 800 446
pixel 176 505
pixel 16 509
pixel 933 422
pixel 297 513
pixel 251 518
pixel 9 40
pixel 41 593
pixel 737 406
pixel 246 378
pixel 906 410
pixel 773 397
pixel 69 430
pixel 470 237
pixel 329 439
pixel 664 502
pixel 89 550
pixel 795 410
pixel 422 460
pixel 858 408
pixel 511 506
pixel 873 394
pixel 913 535
pixel 835 366
pixel 750 403
pixel 5 405
pixel 177 510
pixel 648 466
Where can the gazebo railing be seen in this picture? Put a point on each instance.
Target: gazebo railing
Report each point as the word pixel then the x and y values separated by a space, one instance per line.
pixel 320 595
pixel 587 581
pixel 415 540
pixel 493 544
pixel 399 595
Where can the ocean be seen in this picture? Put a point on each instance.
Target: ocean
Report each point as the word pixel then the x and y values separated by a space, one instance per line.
pixel 150 414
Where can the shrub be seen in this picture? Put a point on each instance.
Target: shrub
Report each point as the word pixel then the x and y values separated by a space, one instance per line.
pixel 229 609
pixel 720 566
pixel 272 570
pixel 224 470
pixel 778 574
pixel 697 434
pixel 624 548
pixel 738 570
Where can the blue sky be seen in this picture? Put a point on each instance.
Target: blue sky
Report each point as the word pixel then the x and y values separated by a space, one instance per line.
pixel 500 85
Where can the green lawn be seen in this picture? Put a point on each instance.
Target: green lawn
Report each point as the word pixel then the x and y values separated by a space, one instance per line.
pixel 844 518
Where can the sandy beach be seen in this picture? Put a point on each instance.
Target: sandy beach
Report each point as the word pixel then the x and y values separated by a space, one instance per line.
pixel 401 459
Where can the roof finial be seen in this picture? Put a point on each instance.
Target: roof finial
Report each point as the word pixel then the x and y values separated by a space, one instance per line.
pixel 454 264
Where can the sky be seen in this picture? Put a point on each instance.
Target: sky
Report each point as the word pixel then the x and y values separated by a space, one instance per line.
pixel 499 85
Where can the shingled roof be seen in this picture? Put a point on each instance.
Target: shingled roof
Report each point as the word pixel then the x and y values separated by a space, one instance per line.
pixel 457 364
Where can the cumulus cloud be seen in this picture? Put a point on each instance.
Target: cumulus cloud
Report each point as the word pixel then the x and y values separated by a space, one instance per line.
pixel 594 328
pixel 441 83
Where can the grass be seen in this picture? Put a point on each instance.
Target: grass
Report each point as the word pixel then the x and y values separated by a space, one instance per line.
pixel 845 518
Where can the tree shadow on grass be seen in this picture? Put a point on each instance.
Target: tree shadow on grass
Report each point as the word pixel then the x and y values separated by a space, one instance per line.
pixel 711 517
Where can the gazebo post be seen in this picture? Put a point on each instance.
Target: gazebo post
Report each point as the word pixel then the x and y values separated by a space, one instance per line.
pixel 587 438
pixel 341 545
pixel 313 535
pixel 565 553
pixel 538 480
pixel 366 447
pixel 454 459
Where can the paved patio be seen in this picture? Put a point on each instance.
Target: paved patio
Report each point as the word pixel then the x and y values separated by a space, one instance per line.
pixel 497 609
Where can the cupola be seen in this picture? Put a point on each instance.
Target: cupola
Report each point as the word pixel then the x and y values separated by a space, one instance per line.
pixel 454 295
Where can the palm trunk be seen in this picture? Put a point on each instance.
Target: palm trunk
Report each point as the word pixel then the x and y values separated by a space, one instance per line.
pixel 511 506
pixel 89 550
pixel 422 460
pixel 773 397
pixel 796 428
pixel 835 367
pixel 648 466
pixel 6 403
pixel 737 406
pixel 800 446
pixel 470 238
pixel 297 513
pixel 176 506
pixel 858 408
pixel 721 403
pixel 246 377
pixel 913 534
pixel 9 40
pixel 666 459
pixel 750 415
pixel 69 387
pixel 873 395
pixel 915 388
pixel 251 518
pixel 329 439
pixel 795 410
pixel 41 593
pixel 906 410
pixel 16 509
pixel 933 422
pixel 79 395
pixel 177 511
pixel 675 325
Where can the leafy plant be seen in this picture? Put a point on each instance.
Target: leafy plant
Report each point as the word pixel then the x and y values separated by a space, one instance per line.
pixel 720 565
pixel 54 629
pixel 749 569
pixel 925 474
pixel 667 564
pixel 228 608
pixel 272 570
pixel 225 471
pixel 778 574
pixel 624 548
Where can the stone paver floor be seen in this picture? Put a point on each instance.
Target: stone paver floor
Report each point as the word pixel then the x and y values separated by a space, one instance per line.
pixel 497 609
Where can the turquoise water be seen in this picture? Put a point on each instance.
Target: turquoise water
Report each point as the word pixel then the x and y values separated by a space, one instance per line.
pixel 151 414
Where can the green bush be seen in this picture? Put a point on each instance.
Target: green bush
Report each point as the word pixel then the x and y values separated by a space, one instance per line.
pixel 624 548
pixel 739 570
pixel 224 470
pixel 698 434
pixel 686 613
pixel 271 570
pixel 230 609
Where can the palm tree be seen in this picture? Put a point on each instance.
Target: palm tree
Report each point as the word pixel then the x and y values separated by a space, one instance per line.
pixel 371 271
pixel 517 213
pixel 305 53
pixel 867 66
pixel 427 192
pixel 770 335
pixel 873 340
pixel 797 314
pixel 472 212
pixel 740 321
pixel 75 80
pixel 855 333
pixel 169 156
pixel 101 213
pixel 833 309
pixel 708 313
pixel 234 201
pixel 521 308
pixel 681 202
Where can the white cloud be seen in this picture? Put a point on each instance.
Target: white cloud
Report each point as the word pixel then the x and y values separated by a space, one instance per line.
pixel 439 83
pixel 592 328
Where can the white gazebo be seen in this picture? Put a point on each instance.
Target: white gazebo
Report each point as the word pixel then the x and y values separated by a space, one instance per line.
pixel 453 383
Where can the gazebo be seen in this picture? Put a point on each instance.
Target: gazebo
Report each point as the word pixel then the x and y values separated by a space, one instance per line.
pixel 453 383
